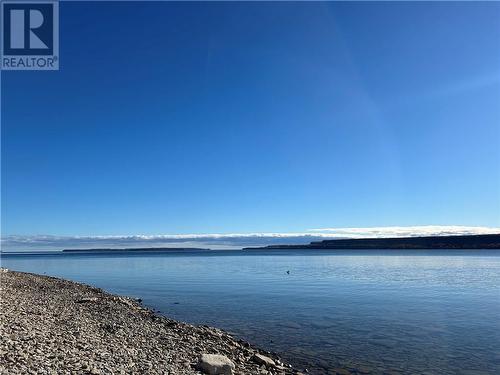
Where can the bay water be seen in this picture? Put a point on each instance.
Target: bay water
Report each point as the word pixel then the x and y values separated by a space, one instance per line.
pixel 375 311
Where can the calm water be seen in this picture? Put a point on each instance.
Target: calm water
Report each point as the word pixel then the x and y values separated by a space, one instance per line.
pixel 380 312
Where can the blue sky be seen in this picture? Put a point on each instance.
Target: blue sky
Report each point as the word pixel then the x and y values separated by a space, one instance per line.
pixel 181 118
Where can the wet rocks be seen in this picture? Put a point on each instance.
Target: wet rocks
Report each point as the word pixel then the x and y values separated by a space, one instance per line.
pixel 215 364
pixel 341 371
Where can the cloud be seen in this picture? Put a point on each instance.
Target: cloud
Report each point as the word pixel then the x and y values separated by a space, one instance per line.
pixel 466 86
pixel 447 90
pixel 225 240
pixel 213 241
pixel 411 231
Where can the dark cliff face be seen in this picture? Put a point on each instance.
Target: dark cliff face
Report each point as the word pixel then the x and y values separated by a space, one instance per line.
pixel 486 241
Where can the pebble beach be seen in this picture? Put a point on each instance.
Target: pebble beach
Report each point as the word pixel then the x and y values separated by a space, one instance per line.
pixel 55 326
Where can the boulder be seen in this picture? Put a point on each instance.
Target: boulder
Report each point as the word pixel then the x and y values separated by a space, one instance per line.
pixel 215 364
pixel 263 360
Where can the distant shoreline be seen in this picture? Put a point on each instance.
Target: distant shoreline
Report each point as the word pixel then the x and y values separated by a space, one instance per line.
pixel 136 249
pixel 456 242
pixel 449 242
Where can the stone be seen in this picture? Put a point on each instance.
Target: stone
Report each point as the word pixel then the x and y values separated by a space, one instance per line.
pixel 364 370
pixel 215 364
pixel 86 299
pixel 263 360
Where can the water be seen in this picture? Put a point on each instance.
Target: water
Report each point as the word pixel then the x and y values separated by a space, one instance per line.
pixel 365 311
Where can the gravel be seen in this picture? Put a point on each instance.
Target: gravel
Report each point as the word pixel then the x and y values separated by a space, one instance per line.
pixel 54 326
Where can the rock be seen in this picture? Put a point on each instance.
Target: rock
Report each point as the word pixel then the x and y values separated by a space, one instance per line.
pixel 263 360
pixel 86 299
pixel 363 370
pixel 215 364
pixel 342 371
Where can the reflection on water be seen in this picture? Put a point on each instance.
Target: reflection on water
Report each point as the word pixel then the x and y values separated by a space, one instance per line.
pixel 364 312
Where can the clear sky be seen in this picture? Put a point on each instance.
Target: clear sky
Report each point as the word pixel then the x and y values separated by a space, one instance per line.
pixel 256 117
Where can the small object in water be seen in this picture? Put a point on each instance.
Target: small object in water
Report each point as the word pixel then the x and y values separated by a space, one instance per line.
pixel 288 272
pixel 176 303
pixel 139 300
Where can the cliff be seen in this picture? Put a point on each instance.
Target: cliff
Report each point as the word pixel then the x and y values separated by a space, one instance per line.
pixel 485 241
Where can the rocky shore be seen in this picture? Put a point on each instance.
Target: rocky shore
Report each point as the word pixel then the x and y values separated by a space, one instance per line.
pixel 55 326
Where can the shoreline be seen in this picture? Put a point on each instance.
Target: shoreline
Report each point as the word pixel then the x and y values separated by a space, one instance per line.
pixel 50 325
